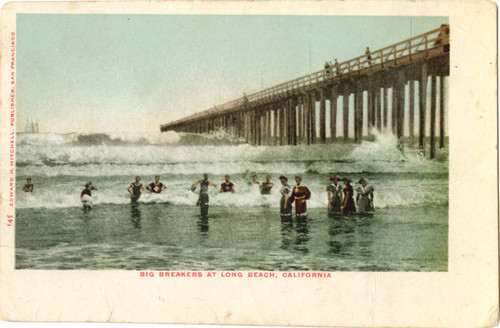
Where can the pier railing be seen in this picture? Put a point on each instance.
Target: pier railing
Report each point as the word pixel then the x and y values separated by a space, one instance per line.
pixel 419 47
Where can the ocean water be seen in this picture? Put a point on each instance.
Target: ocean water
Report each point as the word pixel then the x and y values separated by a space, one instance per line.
pixel 243 231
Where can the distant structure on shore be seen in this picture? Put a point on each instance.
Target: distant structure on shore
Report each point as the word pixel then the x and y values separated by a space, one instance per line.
pixel 31 127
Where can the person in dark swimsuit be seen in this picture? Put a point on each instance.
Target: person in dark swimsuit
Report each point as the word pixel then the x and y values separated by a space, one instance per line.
pixel 348 205
pixel 28 187
pixel 156 187
pixel 227 186
pixel 203 199
pixel 135 189
pixel 265 188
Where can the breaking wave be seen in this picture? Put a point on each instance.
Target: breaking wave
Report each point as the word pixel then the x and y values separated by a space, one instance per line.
pixel 96 155
pixel 126 139
pixel 61 163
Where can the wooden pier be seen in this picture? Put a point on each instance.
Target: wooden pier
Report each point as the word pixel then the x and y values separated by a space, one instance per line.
pixel 295 111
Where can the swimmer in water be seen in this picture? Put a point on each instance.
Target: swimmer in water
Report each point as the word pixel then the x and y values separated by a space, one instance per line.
pixel 91 187
pixel 156 187
pixel 285 204
pixel 334 194
pixel 254 181
pixel 28 187
pixel 300 194
pixel 265 188
pixel 364 198
pixel 227 186
pixel 135 189
pixel 203 199
pixel 348 205
pixel 87 202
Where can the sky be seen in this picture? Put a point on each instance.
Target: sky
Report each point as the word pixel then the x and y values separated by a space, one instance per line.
pixel 110 73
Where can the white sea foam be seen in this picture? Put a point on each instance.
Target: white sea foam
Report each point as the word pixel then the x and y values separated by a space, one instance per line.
pixel 402 192
pixel 61 164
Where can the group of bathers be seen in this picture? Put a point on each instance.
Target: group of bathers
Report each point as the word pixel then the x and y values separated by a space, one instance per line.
pixel 340 199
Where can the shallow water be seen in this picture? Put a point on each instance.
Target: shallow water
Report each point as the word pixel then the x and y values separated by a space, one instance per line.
pixel 171 237
pixel 408 232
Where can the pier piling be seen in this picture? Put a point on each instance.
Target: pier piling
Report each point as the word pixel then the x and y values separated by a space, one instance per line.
pixel 333 113
pixel 422 105
pixel 322 116
pixel 411 114
pixel 441 111
pixel 286 114
pixel 433 118
pixel 345 112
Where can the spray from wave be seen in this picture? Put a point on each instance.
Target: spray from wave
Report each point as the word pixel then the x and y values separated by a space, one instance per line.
pixel 104 154
pixel 60 164
pixel 96 139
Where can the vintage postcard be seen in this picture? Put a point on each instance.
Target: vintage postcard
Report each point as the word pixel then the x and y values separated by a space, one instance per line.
pixel 306 163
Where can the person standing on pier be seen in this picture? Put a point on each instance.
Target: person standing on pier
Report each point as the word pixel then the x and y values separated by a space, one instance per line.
pixel 285 203
pixel 368 56
pixel 265 188
pixel 203 199
pixel 327 68
pixel 337 71
pixel 334 194
pixel 364 198
pixel 348 205
pixel 300 194
pixel 443 37
pixel 227 186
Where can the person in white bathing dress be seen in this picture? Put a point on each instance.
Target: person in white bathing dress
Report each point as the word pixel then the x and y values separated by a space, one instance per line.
pixel 364 198
pixel 334 194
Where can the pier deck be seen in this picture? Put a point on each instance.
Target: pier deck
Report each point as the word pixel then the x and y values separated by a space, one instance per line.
pixel 288 113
